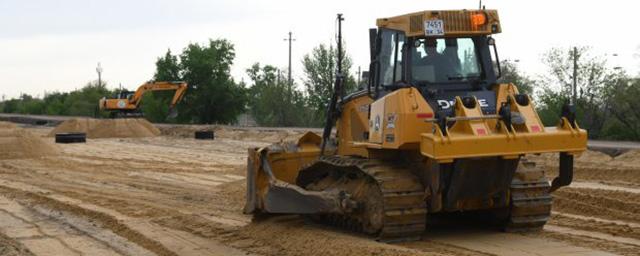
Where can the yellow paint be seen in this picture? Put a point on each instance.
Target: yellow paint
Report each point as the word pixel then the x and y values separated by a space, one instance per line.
pixel 464 141
pixel 456 22
pixel 397 118
pixel 353 124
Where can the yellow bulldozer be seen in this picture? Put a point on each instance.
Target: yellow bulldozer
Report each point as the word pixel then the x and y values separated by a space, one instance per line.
pixel 127 103
pixel 433 132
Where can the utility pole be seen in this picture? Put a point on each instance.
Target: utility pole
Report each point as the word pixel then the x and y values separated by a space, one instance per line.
pixel 339 75
pixel 99 70
pixel 290 39
pixel 359 75
pixel 575 76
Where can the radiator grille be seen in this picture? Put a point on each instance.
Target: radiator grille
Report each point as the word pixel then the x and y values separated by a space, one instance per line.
pixel 415 23
pixel 458 21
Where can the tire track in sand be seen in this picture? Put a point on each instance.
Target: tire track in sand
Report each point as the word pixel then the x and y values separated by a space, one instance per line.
pixel 504 244
pixel 44 233
pixel 158 239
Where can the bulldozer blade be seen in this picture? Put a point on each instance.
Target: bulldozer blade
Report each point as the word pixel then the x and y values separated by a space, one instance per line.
pixel 283 197
pixel 271 193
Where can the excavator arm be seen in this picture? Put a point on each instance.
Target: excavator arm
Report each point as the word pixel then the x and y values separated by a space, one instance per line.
pixel 180 88
pixel 177 97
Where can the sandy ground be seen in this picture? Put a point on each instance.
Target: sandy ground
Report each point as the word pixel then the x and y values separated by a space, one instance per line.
pixel 173 195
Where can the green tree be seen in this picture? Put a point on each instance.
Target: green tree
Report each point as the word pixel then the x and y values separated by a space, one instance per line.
pixel 167 68
pixel 319 68
pixel 273 101
pixel 55 103
pixel 593 78
pixel 155 105
pixel 213 96
pixel 622 95
pixel 82 102
pixel 10 106
pixel 30 105
pixel 512 74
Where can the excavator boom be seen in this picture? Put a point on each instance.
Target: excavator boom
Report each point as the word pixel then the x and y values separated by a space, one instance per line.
pixel 179 87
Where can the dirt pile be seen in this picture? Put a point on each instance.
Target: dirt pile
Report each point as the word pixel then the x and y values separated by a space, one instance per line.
pixel 108 128
pixel 593 157
pixel 16 143
pixel 629 159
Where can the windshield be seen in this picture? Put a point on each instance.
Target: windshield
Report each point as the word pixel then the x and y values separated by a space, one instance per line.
pixel 443 60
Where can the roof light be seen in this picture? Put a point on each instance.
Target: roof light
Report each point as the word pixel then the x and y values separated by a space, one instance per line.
pixel 478 19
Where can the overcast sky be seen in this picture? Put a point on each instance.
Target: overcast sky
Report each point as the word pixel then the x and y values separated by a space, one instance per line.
pixel 55 45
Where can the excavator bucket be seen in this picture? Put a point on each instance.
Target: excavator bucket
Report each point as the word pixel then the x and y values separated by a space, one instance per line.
pixel 173 113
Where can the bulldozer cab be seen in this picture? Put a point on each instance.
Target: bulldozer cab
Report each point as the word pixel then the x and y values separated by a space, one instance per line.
pixel 444 54
pixel 462 63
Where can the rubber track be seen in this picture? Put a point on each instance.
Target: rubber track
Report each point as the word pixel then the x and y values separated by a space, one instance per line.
pixel 530 203
pixel 404 205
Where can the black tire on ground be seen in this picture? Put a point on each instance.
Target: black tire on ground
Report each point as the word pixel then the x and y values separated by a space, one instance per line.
pixel 77 137
pixel 204 135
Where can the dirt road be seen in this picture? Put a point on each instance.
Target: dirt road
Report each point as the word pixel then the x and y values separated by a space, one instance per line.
pixel 172 195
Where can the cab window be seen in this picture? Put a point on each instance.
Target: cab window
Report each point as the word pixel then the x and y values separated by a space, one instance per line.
pixel 443 60
pixel 390 56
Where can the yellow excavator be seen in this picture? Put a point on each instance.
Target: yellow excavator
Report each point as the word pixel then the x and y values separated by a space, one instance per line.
pixel 127 104
pixel 433 132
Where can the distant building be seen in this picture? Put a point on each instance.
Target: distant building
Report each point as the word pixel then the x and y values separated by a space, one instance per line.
pixel 246 120
pixel 364 79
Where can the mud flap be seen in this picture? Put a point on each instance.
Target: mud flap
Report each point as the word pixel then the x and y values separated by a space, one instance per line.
pixel 565 175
